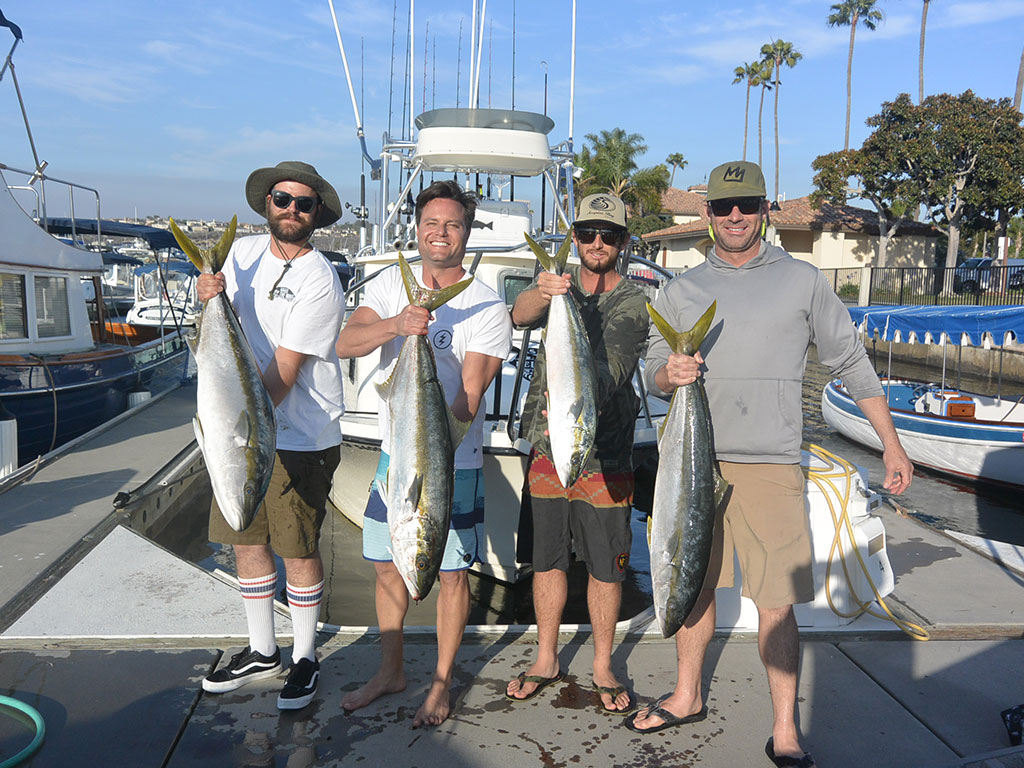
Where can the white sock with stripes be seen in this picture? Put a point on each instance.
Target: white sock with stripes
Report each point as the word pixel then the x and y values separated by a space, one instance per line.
pixel 305 606
pixel 259 612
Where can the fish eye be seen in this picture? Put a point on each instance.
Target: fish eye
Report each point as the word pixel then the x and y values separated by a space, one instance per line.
pixel 421 562
pixel 248 490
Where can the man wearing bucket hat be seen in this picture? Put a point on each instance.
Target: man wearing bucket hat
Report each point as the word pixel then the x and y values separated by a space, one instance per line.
pixel 290 304
pixel 771 308
pixel 591 516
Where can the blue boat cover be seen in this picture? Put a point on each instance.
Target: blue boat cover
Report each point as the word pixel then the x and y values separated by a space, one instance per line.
pixel 157 239
pixel 929 323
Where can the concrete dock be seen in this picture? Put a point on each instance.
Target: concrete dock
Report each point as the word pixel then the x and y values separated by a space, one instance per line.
pixel 104 638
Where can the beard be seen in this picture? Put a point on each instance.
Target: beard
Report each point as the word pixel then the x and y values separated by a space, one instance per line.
pixel 600 267
pixel 290 230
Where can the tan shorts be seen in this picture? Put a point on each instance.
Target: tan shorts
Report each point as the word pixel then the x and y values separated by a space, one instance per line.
pixel 294 508
pixel 763 521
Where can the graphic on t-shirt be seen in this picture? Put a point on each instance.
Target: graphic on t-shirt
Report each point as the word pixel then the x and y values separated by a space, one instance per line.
pixel 281 292
pixel 442 339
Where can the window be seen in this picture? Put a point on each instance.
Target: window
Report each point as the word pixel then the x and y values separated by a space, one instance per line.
pixel 52 316
pixel 512 285
pixel 13 323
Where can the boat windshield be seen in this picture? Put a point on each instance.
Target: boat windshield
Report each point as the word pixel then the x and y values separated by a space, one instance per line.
pixel 506 119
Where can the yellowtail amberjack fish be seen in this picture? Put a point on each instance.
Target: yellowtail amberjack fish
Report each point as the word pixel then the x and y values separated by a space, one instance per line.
pixel 234 421
pixel 571 377
pixel 424 434
pixel 687 489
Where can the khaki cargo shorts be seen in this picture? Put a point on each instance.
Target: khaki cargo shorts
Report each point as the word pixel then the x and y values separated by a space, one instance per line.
pixel 294 508
pixel 763 521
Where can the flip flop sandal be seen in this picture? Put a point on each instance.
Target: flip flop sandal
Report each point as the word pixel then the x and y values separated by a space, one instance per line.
pixel 541 683
pixel 614 692
pixel 669 720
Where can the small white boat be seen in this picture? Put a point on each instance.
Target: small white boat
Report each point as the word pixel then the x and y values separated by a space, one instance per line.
pixel 970 435
pixel 976 437
pixel 165 294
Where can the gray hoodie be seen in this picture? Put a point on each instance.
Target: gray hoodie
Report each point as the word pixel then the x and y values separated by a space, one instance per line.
pixel 769 311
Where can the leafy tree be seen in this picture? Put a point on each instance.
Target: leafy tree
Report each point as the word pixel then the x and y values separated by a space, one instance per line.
pixel 850 13
pixel 609 165
pixel 778 53
pixel 920 52
pixel 751 74
pixel 676 160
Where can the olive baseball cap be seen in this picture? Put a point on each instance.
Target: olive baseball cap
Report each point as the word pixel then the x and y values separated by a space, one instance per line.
pixel 602 207
pixel 739 178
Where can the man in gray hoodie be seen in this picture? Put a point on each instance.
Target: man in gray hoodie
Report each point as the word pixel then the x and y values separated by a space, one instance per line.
pixel 771 308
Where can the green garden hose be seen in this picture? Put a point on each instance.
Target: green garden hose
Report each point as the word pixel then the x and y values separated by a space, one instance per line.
pixel 32 715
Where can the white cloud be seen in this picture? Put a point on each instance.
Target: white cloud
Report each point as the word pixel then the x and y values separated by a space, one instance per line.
pixel 968 14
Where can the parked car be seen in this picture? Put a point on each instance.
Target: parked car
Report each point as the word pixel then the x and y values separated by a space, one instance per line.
pixel 976 275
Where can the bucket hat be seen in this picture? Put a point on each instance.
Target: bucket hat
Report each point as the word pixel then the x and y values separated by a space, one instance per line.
pixel 262 180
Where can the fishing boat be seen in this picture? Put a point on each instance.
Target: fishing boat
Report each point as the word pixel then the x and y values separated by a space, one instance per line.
pixel 61 373
pixel 165 294
pixel 973 436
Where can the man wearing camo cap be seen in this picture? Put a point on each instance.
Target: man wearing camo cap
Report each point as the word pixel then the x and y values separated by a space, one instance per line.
pixel 592 516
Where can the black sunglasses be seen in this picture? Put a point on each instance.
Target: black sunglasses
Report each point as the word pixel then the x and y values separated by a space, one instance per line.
pixel 747 205
pixel 302 204
pixel 612 237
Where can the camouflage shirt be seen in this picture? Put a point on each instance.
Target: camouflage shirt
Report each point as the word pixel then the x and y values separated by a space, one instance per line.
pixel 616 323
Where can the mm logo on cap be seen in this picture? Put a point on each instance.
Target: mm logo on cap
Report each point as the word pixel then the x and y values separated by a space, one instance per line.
pixel 601 204
pixel 734 174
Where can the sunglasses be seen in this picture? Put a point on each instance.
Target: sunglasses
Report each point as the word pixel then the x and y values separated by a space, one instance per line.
pixel 613 237
pixel 302 204
pixel 747 205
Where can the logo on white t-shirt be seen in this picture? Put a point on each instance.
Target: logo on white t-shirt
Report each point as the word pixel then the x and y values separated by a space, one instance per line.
pixel 443 339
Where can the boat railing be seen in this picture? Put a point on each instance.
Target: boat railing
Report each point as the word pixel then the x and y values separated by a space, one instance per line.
pixel 41 218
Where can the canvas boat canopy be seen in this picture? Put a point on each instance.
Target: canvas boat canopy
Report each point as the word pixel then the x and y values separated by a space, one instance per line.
pixel 500 141
pixel 157 239
pixel 927 324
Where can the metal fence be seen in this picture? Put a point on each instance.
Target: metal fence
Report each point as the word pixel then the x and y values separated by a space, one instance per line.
pixel 928 285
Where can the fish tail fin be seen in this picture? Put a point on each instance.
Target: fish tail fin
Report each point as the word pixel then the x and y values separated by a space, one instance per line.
pixel 721 486
pixel 195 255
pixel 546 262
pixel 425 297
pixel 684 342
pixel 219 253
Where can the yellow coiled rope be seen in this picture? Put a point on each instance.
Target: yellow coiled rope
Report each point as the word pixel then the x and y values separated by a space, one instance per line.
pixel 837 470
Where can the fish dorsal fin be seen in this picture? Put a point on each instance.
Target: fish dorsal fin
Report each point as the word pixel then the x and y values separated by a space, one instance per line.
pixel 555 264
pixel 687 342
pixel 198 429
pixel 425 297
pixel 211 260
pixel 244 433
pixel 457 428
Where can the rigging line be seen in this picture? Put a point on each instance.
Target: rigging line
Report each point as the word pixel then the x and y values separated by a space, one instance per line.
pixel 407 106
pixel 458 72
pixel 426 45
pixel 391 86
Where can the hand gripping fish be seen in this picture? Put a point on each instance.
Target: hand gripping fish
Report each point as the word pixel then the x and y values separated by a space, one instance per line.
pixel 234 421
pixel 687 489
pixel 571 376
pixel 423 435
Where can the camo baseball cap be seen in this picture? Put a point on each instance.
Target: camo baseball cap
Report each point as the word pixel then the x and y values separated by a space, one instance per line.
pixel 739 178
pixel 602 207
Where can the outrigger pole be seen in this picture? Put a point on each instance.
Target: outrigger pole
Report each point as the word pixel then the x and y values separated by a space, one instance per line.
pixel 374 162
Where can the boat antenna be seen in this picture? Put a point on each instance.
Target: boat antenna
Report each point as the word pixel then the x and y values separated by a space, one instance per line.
pixel 374 163
pixel 407 106
pixel 479 51
pixel 572 75
pixel 472 58
pixel 426 46
pixel 412 54
pixel 433 74
pixel 490 59
pixel 458 72
pixel 513 54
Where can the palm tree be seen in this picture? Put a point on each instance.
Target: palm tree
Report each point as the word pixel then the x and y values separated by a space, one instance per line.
pixel 1020 82
pixel 765 81
pixel 920 53
pixel 749 73
pixel 676 160
pixel 849 13
pixel 779 52
pixel 611 161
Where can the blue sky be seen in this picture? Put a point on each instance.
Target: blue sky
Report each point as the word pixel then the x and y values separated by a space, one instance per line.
pixel 167 107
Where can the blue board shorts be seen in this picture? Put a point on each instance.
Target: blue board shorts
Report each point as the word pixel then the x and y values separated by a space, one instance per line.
pixel 464 534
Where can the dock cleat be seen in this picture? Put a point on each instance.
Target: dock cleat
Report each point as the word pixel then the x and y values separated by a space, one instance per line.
pixel 244 667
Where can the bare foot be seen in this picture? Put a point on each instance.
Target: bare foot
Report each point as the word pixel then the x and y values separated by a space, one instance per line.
pixel 620 702
pixel 435 708
pixel 523 690
pixel 378 685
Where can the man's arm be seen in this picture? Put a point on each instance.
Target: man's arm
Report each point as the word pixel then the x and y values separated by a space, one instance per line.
pixel 898 469
pixel 532 304
pixel 366 331
pixel 282 373
pixel 478 370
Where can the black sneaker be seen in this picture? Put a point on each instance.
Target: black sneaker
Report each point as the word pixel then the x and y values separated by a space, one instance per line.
pixel 244 667
pixel 300 687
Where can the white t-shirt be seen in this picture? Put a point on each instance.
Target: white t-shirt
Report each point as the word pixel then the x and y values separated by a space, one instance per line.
pixel 305 316
pixel 476 320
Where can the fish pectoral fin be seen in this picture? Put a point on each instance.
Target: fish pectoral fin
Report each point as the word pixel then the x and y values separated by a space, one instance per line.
pixel 457 428
pixel 243 429
pixel 198 429
pixel 721 486
pixel 576 409
pixel 412 496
